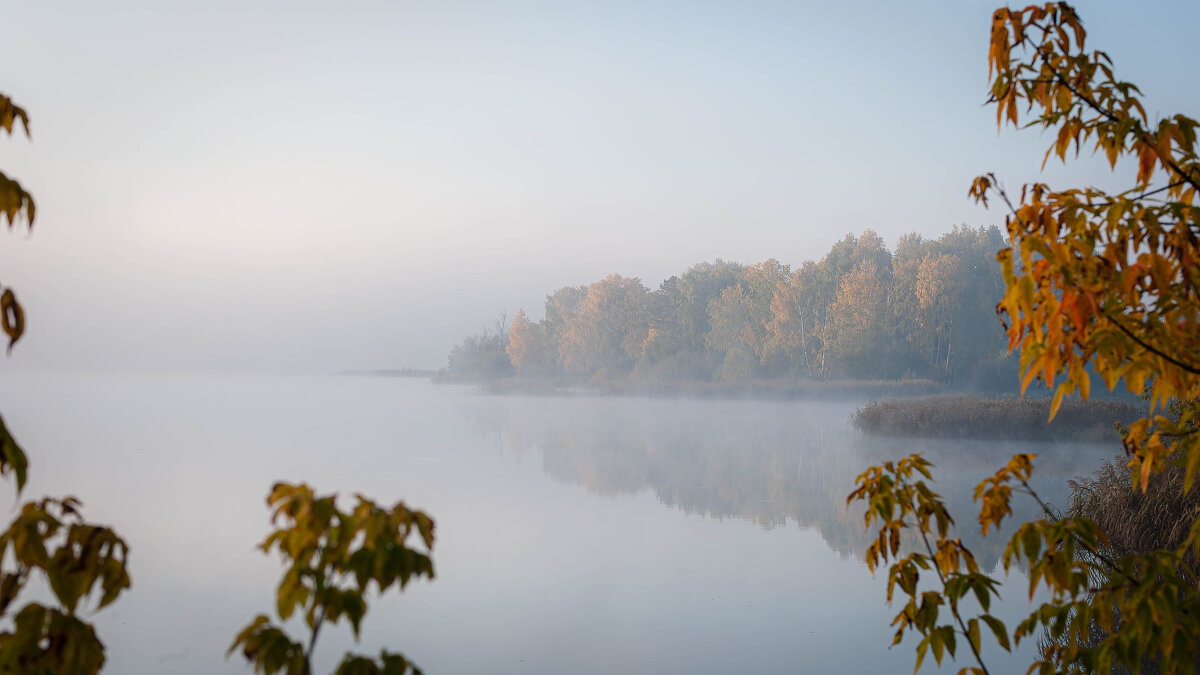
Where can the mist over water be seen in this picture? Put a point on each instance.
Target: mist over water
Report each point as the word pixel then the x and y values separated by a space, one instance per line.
pixel 575 534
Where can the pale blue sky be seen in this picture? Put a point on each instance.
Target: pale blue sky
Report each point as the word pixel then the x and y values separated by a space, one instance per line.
pixel 304 187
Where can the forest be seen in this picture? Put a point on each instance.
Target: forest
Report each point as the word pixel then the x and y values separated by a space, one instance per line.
pixel 862 312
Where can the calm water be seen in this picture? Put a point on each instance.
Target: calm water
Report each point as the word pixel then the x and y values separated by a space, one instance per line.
pixel 574 534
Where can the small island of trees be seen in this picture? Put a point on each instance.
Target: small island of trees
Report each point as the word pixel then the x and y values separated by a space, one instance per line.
pixel 862 313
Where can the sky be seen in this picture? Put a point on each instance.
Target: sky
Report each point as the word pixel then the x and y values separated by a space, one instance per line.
pixel 309 187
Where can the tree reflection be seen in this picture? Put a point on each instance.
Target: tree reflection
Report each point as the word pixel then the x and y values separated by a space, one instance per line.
pixel 770 463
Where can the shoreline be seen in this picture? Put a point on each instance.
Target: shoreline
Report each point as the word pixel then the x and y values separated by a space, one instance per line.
pixel 768 390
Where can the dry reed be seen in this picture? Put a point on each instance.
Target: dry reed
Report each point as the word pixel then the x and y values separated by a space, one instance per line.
pixel 963 416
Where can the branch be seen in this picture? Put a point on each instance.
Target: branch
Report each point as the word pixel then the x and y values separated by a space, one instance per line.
pixel 1109 562
pixel 954 604
pixel 1164 188
pixel 1146 137
pixel 1194 370
pixel 312 642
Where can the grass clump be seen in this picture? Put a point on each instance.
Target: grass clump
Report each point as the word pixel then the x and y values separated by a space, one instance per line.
pixel 1137 521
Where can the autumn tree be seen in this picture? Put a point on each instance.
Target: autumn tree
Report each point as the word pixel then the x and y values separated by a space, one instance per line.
pixel 937 305
pixel 793 330
pixel 854 313
pixel 855 331
pixel 870 249
pixel 738 320
pixel 904 322
pixel 731 337
pixel 608 334
pixel 761 281
pixel 561 306
pixel 1095 281
pixel 796 332
pixel 697 288
pixel 661 353
pixel 973 336
pixel 526 345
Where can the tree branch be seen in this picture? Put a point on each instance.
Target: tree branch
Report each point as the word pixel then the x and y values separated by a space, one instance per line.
pixel 1195 370
pixel 312 642
pixel 1108 562
pixel 1146 137
pixel 954 604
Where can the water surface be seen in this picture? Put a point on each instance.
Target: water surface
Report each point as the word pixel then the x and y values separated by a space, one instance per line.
pixel 575 534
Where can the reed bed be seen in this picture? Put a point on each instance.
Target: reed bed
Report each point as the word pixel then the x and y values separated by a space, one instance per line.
pixel 964 416
pixel 1137 521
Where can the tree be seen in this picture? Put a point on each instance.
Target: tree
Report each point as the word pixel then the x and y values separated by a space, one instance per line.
pixel 697 287
pixel 731 337
pixel 561 307
pixel 525 349
pixel 609 332
pixel 938 280
pixel 794 328
pixel 761 282
pixel 973 335
pixel 738 318
pixel 904 315
pixel 1093 280
pixel 855 329
pixel 483 355
pixel 857 311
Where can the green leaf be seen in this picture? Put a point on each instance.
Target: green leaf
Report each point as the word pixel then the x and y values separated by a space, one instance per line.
pixel 998 630
pixel 12 458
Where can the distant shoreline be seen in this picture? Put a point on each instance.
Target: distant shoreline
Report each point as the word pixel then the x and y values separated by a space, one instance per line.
pixel 391 372
pixel 768 390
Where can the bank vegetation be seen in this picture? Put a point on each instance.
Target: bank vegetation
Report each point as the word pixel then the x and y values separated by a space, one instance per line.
pixel 1012 418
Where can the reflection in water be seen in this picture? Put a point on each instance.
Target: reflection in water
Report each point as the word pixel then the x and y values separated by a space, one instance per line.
pixel 534 574
pixel 769 463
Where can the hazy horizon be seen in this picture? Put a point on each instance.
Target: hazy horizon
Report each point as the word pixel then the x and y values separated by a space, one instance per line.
pixel 298 188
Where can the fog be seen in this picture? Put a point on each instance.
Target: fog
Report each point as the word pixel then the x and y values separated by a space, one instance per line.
pixel 629 268
pixel 300 187
pixel 575 534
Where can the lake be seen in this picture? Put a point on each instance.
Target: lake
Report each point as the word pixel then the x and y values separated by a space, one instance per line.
pixel 575 534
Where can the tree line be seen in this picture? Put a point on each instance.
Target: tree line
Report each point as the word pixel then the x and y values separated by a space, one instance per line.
pixel 862 312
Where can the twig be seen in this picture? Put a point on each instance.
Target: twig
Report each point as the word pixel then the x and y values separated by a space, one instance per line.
pixel 1109 562
pixel 954 604
pixel 1195 370
pixel 312 642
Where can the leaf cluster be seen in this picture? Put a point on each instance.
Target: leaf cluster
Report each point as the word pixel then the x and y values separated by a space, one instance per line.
pixel 12 457
pixel 14 202
pixel 1104 283
pixel 49 536
pixel 77 559
pixel 1143 605
pixel 333 558
pixel 1092 278
pixel 899 499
